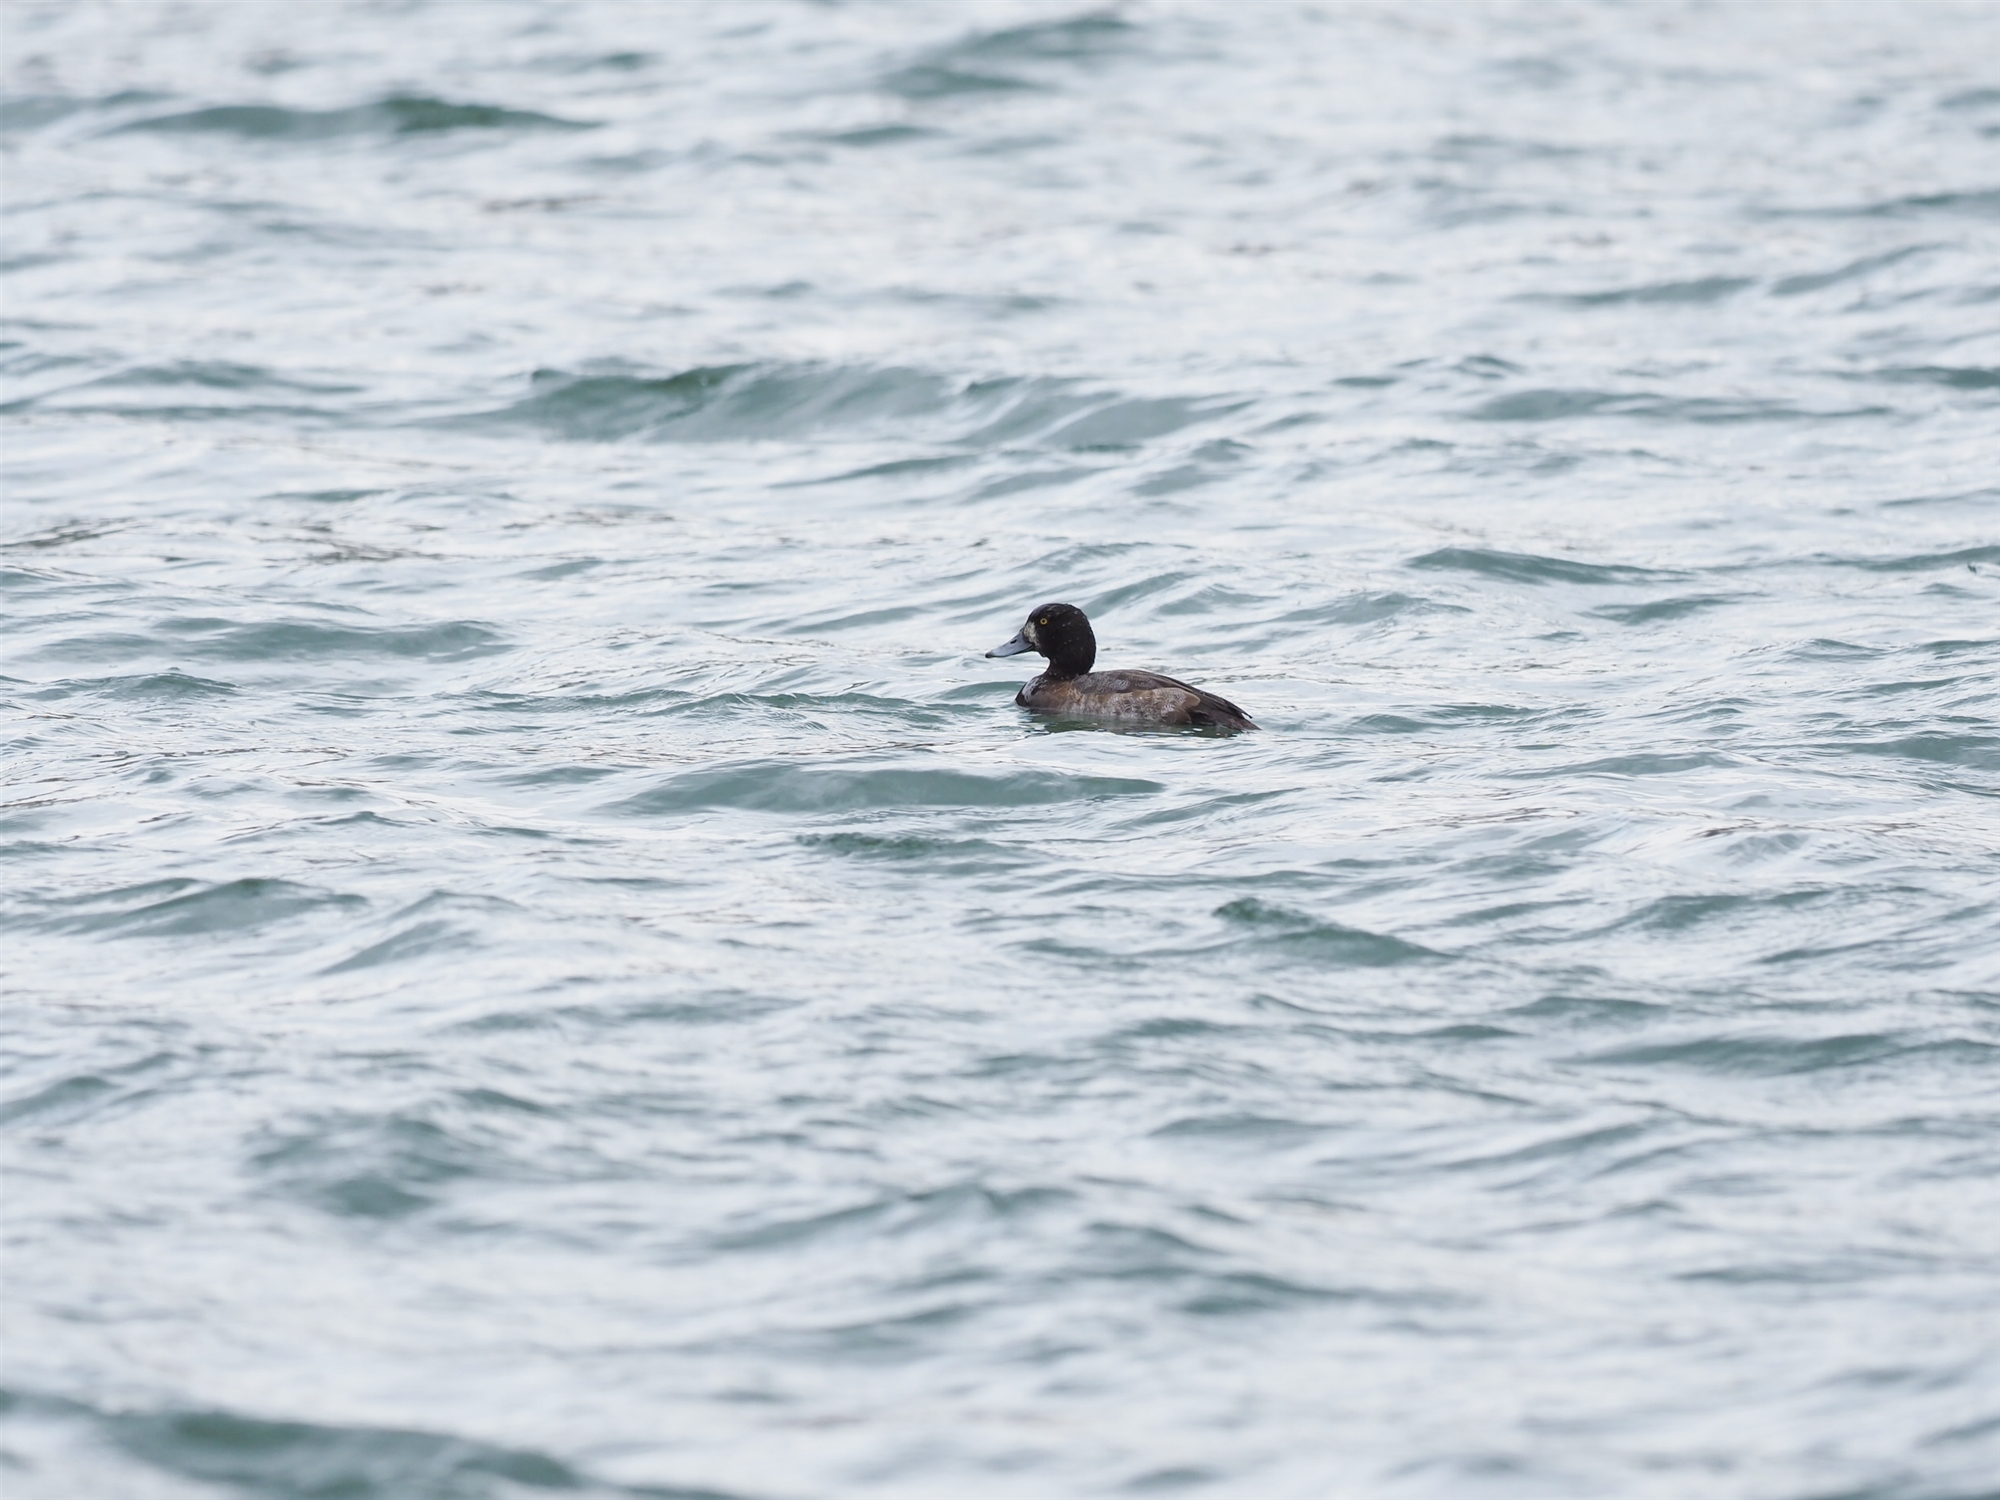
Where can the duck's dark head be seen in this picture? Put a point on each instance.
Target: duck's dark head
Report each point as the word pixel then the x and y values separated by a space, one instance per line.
pixel 1062 633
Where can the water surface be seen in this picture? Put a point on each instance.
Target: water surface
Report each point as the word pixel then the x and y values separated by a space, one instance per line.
pixel 540 957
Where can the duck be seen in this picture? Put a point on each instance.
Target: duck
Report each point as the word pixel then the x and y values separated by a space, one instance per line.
pixel 1062 633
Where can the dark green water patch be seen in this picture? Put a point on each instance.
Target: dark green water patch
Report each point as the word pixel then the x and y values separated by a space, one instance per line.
pixel 489 700
pixel 1656 763
pixel 327 497
pixel 1086 38
pixel 1390 724
pixel 1960 648
pixel 1367 609
pixel 1502 713
pixel 1824 649
pixel 1589 1142
pixel 554 572
pixel 1683 912
pixel 370 1166
pixel 899 1213
pixel 1034 479
pixel 308 1461
pixel 1468 1032
pixel 1103 601
pixel 852 619
pixel 990 63
pixel 1029 410
pixel 187 908
pixel 24 112
pixel 1763 1056
pixel 875 135
pixel 1978 750
pixel 895 469
pixel 1453 715
pixel 1556 405
pixel 1589 1009
pixel 57 1103
pixel 218 375
pixel 399 114
pixel 1211 599
pixel 420 940
pixel 1921 562
pixel 944 855
pixel 1658 611
pixel 307 640
pixel 1981 203
pixel 1510 911
pixel 753 401
pixel 806 787
pixel 1955 377
pixel 1280 929
pixel 1174 481
pixel 1522 567
pixel 1169 1028
pixel 1241 1129
pixel 559 775
pixel 154 687
pixel 1855 270
pixel 32 111
pixel 1172 1479
pixel 1127 423
pixel 1247 1293
pixel 1698 292
pixel 817 707
pixel 934 80
pixel 132 391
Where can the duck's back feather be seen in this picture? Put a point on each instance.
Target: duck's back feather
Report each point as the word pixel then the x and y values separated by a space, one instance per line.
pixel 1137 697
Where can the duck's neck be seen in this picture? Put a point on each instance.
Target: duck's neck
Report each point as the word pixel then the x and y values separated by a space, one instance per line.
pixel 1068 668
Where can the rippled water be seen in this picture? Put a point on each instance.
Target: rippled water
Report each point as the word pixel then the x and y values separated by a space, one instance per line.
pixel 541 958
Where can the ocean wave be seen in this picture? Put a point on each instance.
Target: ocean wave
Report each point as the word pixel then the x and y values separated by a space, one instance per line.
pixel 290 1460
pixel 1013 59
pixel 774 401
pixel 1517 567
pixel 807 787
pixel 163 391
pixel 181 907
pixel 213 639
pixel 1557 405
pixel 1280 930
pixel 395 115
pixel 541 959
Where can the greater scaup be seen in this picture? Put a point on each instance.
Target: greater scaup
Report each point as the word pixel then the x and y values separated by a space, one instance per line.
pixel 1062 633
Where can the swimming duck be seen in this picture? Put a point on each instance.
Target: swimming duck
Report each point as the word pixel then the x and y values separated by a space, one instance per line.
pixel 1062 633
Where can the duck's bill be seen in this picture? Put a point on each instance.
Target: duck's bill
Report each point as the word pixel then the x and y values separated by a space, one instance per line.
pixel 1014 647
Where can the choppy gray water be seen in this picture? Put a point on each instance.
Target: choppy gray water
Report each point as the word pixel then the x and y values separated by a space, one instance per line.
pixel 540 958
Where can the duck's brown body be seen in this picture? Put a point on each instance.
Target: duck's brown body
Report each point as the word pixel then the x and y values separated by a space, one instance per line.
pixel 1062 633
pixel 1132 697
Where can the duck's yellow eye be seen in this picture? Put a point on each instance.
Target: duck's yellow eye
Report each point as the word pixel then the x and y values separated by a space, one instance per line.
pixel 1043 620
